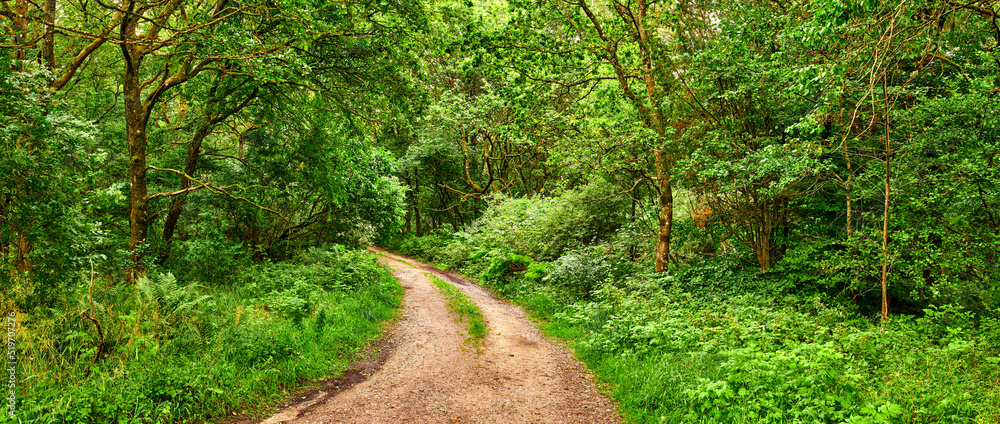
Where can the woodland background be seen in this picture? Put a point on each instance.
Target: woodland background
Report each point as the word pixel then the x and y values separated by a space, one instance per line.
pixel 762 211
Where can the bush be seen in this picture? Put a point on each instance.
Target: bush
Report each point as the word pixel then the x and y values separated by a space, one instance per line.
pixel 722 277
pixel 212 258
pixel 176 352
pixel 503 274
pixel 756 359
pixel 581 271
pixel 428 247
pixel 545 227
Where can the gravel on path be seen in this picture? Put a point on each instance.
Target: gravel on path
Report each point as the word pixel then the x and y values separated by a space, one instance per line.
pixel 431 376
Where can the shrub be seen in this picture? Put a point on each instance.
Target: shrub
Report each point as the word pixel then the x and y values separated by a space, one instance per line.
pixel 176 352
pixel 503 274
pixel 428 247
pixel 211 258
pixel 581 271
pixel 545 227
pixel 722 277
pixel 796 359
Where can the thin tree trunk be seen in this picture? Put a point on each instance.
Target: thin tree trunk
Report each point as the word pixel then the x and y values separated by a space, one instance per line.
pixel 190 166
pixel 885 212
pixel 416 202
pixel 409 209
pixel 20 26
pixel 666 213
pixel 48 39
pixel 135 127
pixel 783 247
pixel 5 218
pixel 765 236
pixel 848 195
pixel 461 218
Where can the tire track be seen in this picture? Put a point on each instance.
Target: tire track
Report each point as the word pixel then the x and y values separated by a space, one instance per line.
pixel 429 376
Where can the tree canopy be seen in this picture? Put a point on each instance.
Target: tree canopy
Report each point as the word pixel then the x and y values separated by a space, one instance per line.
pixel 601 152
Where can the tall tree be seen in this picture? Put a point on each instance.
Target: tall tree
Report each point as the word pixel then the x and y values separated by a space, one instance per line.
pixel 634 44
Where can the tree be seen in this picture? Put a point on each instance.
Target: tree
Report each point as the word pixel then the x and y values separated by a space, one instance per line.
pixel 44 150
pixel 484 131
pixel 241 46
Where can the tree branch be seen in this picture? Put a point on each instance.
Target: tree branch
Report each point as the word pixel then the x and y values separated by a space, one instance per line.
pixel 216 190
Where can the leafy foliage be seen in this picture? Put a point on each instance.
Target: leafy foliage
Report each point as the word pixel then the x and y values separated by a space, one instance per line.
pixel 718 342
pixel 175 352
pixel 797 166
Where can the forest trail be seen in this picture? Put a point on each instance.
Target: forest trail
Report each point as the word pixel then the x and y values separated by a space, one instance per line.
pixel 430 376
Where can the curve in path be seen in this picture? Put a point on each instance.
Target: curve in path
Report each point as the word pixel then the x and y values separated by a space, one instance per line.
pixel 432 377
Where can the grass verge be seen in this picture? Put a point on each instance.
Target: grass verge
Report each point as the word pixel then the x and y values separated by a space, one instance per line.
pixel 465 310
pixel 176 353
pixel 669 357
pixel 703 346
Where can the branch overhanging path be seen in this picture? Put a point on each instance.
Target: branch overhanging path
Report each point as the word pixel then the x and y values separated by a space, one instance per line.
pixel 430 375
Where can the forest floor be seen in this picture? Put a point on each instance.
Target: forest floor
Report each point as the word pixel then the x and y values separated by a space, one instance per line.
pixel 424 372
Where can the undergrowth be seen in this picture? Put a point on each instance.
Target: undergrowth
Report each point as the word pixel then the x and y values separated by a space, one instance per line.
pixel 465 310
pixel 176 352
pixel 715 343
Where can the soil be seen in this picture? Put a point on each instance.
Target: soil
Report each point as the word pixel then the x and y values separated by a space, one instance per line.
pixel 424 372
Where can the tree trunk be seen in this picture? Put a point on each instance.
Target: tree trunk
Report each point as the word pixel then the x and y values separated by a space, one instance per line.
pixel 458 212
pixel 416 202
pixel 19 234
pixel 48 39
pixel 666 212
pixel 766 225
pixel 138 194
pixel 19 27
pixel 23 249
pixel 211 118
pixel 190 166
pixel 783 222
pixel 849 207
pixel 648 108
pixel 136 116
pixel 885 243
pixel 885 213
pixel 409 208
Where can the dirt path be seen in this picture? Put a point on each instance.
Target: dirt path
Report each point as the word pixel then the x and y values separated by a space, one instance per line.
pixel 429 376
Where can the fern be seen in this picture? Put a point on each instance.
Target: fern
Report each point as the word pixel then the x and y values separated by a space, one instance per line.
pixel 171 299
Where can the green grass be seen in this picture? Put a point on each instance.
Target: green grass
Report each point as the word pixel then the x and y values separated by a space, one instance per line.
pixel 465 310
pixel 675 358
pixel 176 353
pixel 731 347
